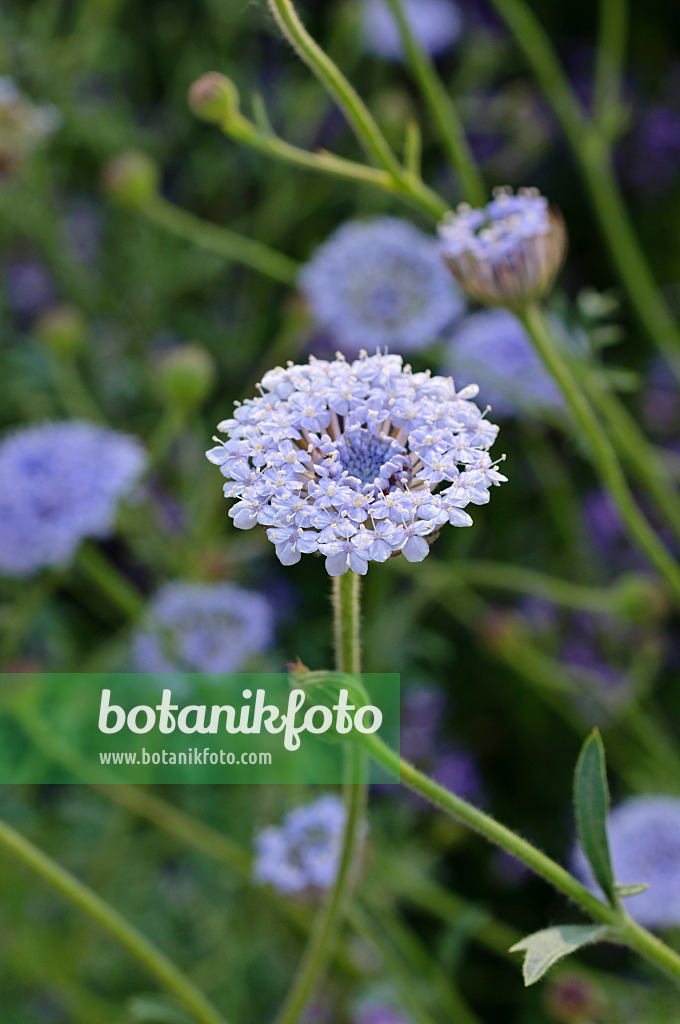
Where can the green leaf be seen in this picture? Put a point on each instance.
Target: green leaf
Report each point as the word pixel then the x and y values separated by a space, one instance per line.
pixel 591 798
pixel 624 891
pixel 545 948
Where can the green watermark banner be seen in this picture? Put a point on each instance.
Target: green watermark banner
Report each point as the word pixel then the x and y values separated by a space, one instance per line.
pixel 136 728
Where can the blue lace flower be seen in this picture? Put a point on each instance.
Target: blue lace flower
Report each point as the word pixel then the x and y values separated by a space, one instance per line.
pixel 358 461
pixel 509 251
pixel 59 483
pixel 644 837
pixel 202 627
pixel 304 852
pixel 380 283
pixel 492 344
pixel 437 25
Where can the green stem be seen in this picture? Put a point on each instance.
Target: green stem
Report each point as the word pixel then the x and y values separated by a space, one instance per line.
pixel 592 158
pixel 442 110
pixel 408 187
pixel 628 258
pixel 603 453
pixel 611 56
pixel 232 246
pixel 74 396
pixel 623 930
pixel 406 979
pixel 158 965
pixel 642 457
pixel 327 922
pixel 110 581
pixel 520 580
pixel 357 113
pixel 346 625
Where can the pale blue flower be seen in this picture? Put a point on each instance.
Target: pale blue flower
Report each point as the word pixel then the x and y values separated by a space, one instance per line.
pixel 380 283
pixel 304 852
pixel 436 24
pixel 60 483
pixel 492 345
pixel 506 252
pixel 644 838
pixel 358 461
pixel 202 627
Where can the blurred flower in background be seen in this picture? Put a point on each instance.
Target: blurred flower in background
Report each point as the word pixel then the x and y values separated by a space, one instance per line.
pixel 23 125
pixel 423 741
pixel 649 158
pixel 660 401
pixel 492 345
pixel 304 852
pixel 644 838
pixel 29 287
pixel 436 24
pixel 202 627
pixel 380 283
pixel 60 483
pixel 375 1012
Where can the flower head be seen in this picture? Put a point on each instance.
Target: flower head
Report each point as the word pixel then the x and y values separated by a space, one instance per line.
pixel 493 343
pixel 304 852
pixel 23 125
pixel 358 461
pixel 436 24
pixel 202 627
pixel 644 838
pixel 509 251
pixel 380 283
pixel 60 483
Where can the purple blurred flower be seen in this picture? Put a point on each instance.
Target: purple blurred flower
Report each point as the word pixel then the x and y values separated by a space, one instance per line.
pixel 83 227
pixel 437 24
pixel 29 287
pixel 421 716
pixel 456 770
pixel 644 838
pixel 380 283
pixel 202 627
pixel 649 158
pixel 379 1013
pixel 60 483
pixel 304 852
pixel 493 345
pixel 660 400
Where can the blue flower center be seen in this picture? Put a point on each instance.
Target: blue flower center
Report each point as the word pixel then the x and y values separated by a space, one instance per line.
pixel 365 455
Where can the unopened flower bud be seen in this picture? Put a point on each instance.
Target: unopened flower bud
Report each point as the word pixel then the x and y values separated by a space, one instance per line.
pixel 507 253
pixel 62 330
pixel 131 179
pixel 185 375
pixel 573 1000
pixel 214 97
pixel 641 598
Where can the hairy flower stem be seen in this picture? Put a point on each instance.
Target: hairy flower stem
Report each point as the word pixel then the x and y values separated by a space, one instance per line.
pixel 603 453
pixel 442 110
pixel 325 928
pixel 221 241
pixel 395 177
pixel 592 157
pixel 623 929
pixel 165 972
